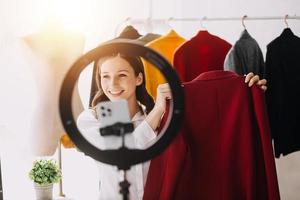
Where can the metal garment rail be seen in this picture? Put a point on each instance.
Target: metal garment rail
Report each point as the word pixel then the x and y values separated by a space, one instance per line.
pixel 146 21
pixel 245 17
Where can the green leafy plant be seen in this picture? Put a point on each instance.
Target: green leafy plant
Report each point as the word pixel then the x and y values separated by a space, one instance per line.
pixel 45 172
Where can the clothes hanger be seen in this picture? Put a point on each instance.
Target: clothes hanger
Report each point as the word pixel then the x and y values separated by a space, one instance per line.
pixel 145 24
pixel 202 24
pixel 243 21
pixel 168 23
pixel 285 21
pixel 148 26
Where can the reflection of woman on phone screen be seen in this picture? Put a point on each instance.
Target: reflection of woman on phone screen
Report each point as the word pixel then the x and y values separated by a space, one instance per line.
pixel 122 77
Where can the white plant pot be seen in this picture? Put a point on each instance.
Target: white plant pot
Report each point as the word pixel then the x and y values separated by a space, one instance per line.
pixel 43 192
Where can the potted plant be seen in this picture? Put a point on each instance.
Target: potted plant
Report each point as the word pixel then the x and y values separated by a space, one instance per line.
pixel 44 174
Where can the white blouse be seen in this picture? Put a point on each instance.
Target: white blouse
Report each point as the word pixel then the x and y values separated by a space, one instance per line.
pixel 109 176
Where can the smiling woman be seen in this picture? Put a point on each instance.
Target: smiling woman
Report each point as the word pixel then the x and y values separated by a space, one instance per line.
pixel 120 81
pixel 118 77
pixel 121 77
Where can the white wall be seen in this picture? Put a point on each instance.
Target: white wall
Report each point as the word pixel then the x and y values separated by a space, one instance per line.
pixel 98 21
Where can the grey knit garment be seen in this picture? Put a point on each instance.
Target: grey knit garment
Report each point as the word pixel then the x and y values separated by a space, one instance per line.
pixel 245 56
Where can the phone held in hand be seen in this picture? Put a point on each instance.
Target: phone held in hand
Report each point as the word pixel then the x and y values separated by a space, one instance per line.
pixel 114 117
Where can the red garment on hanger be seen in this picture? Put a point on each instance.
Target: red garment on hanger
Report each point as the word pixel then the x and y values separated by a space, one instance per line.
pixel 223 150
pixel 202 53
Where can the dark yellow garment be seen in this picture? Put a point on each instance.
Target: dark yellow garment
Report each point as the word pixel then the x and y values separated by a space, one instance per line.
pixel 166 46
pixel 67 142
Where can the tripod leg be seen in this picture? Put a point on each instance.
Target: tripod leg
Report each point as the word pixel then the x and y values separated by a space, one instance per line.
pixel 124 187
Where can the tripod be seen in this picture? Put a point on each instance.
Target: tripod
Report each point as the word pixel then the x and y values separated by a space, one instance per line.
pixel 120 129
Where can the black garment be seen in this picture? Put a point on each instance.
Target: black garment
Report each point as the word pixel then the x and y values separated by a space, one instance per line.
pixel 129 32
pixel 245 56
pixel 283 93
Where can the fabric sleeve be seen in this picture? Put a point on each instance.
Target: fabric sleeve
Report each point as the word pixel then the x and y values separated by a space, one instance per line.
pixel 266 144
pixel 143 135
pixel 166 170
pixel 153 76
pixel 179 65
pixel 230 63
pixel 274 93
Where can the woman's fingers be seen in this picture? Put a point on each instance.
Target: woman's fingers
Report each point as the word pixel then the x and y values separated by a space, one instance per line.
pixel 164 89
pixel 248 77
pixel 253 80
pixel 262 82
pixel 263 87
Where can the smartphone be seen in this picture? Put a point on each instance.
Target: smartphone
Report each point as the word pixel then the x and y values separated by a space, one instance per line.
pixel 112 112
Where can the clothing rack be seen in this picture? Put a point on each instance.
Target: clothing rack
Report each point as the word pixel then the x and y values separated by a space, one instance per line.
pixel 245 17
pixel 148 21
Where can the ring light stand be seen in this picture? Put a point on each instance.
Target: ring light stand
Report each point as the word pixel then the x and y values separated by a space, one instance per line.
pixel 123 157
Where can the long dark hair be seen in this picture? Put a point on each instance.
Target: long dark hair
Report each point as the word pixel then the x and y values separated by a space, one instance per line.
pixel 141 92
